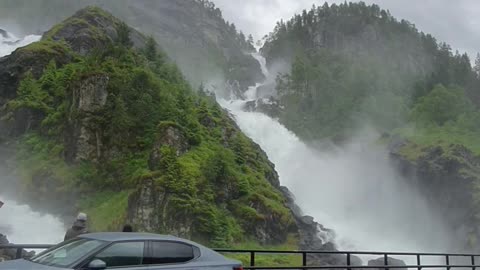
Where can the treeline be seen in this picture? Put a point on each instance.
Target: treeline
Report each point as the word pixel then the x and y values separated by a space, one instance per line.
pixel 355 63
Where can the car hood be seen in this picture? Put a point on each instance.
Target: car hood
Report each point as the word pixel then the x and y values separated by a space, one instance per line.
pixel 26 265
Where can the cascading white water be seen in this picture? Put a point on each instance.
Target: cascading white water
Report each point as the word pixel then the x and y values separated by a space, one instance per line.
pixel 353 190
pixel 19 222
pixel 9 43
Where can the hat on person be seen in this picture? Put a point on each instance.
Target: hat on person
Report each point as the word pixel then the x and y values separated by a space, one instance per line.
pixel 82 217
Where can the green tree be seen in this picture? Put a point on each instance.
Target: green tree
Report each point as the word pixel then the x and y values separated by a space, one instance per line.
pixel 151 49
pixel 123 35
pixel 441 105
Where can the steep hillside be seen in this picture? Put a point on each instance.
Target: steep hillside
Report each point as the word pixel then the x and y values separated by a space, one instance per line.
pixel 352 66
pixel 103 122
pixel 192 32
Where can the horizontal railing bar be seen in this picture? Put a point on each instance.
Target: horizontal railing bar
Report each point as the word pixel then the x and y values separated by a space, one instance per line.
pixel 358 267
pixel 344 252
pixel 263 251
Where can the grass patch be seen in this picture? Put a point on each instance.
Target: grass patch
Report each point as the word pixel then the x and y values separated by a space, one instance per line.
pixel 106 210
pixel 269 259
pixel 437 136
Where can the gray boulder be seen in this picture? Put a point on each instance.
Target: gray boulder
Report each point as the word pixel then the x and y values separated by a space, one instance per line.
pixel 391 261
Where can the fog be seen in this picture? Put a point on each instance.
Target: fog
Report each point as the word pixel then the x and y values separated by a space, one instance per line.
pixel 19 222
pixel 353 189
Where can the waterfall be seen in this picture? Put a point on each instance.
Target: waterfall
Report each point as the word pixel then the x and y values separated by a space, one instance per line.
pixel 353 190
pixel 9 42
pixel 20 223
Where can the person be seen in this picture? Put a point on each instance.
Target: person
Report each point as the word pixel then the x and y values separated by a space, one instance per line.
pixel 78 227
pixel 127 228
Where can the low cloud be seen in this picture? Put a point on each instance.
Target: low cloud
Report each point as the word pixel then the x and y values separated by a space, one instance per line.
pixel 454 22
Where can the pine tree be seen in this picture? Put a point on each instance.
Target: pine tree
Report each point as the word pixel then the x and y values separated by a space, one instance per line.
pixel 123 35
pixel 476 68
pixel 151 49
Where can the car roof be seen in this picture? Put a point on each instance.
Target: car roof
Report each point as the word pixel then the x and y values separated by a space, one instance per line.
pixel 128 236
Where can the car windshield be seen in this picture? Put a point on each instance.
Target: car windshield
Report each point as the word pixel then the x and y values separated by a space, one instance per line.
pixel 68 253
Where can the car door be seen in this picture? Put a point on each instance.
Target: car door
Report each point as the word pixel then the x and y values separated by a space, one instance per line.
pixel 171 255
pixel 122 255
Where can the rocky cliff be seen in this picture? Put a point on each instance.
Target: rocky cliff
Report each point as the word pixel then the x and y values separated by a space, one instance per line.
pixel 448 177
pixel 102 122
pixel 192 32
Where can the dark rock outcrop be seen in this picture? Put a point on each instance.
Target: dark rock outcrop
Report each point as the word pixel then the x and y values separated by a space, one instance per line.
pixel 170 135
pixel 390 261
pixel 447 177
pixel 314 236
pixel 13 69
pixel 10 254
pixel 148 210
pixel 82 136
pixel 269 106
pixel 91 29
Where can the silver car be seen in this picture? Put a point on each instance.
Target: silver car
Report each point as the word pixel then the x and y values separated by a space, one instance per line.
pixel 128 251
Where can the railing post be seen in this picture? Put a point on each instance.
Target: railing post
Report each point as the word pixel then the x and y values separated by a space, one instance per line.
pixel 418 262
pixel 385 260
pixel 348 261
pixel 447 261
pixel 252 258
pixel 19 253
pixel 473 262
pixel 304 258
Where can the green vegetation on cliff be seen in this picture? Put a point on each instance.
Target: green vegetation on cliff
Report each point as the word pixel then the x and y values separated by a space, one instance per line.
pixel 353 64
pixel 119 128
pixel 192 32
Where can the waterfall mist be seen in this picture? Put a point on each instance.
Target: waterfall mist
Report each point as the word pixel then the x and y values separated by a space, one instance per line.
pixel 20 222
pixel 353 189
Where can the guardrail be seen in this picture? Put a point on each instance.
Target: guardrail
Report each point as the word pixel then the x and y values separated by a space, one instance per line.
pixel 305 254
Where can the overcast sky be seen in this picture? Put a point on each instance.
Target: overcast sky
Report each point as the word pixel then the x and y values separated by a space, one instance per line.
pixel 456 22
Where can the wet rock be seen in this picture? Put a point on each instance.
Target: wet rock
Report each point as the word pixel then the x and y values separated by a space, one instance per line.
pixel 150 210
pixel 446 177
pixel 10 254
pixel 90 29
pixel 313 236
pixel 83 134
pixel 171 135
pixel 269 106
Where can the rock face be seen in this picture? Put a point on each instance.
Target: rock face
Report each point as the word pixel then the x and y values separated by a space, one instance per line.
pixel 91 28
pixel 13 69
pixel 83 138
pixel 169 135
pixel 391 261
pixel 192 32
pixel 269 106
pixel 314 236
pixel 448 178
pixel 10 254
pixel 149 210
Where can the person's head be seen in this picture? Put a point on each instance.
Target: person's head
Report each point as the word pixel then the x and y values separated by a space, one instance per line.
pixel 127 228
pixel 82 217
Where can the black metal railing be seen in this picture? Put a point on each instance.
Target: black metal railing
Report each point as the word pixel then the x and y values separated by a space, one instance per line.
pixel 347 255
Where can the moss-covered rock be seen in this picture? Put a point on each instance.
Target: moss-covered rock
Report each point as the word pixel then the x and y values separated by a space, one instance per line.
pixel 123 137
pixel 449 177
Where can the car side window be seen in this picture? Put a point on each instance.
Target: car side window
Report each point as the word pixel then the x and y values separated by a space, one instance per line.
pixel 165 252
pixel 122 254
